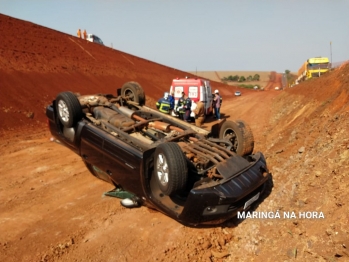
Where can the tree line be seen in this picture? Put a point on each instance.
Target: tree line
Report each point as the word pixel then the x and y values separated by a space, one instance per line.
pixel 237 78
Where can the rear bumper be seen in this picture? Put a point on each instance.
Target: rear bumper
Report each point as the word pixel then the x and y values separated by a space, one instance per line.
pixel 216 204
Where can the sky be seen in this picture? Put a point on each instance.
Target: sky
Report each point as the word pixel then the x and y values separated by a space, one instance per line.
pixel 203 35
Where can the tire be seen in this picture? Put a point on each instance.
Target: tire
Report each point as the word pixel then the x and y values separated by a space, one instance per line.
pixel 170 168
pixel 240 135
pixel 68 109
pixel 134 92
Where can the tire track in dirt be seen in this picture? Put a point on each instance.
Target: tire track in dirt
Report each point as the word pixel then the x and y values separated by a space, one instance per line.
pixel 82 48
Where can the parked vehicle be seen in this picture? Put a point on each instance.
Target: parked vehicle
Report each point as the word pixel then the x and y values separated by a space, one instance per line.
pixel 237 93
pixel 313 67
pixel 196 89
pixel 193 175
pixel 95 39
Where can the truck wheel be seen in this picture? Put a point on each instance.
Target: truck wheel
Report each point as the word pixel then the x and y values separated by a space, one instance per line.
pixel 170 169
pixel 68 108
pixel 134 92
pixel 240 135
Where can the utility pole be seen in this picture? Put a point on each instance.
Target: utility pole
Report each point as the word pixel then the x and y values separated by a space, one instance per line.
pixel 331 52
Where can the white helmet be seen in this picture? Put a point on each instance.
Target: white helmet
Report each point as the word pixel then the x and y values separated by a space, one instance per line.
pixel 216 91
pixel 166 95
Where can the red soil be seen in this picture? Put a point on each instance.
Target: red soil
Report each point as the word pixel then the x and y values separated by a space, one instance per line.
pixel 51 207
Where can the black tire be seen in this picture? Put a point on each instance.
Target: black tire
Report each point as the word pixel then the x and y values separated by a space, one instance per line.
pixel 68 109
pixel 240 135
pixel 134 92
pixel 170 168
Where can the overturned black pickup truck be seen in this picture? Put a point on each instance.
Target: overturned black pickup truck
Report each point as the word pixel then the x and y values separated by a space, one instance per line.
pixel 195 176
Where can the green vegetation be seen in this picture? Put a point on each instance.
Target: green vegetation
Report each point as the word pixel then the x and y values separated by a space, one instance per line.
pixel 241 79
pixel 290 78
pixel 237 78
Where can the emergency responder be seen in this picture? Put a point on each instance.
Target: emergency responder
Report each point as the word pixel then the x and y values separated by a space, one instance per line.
pixel 172 102
pixel 164 104
pixel 85 34
pixel 179 107
pixel 79 33
pixel 217 104
pixel 199 112
pixel 187 108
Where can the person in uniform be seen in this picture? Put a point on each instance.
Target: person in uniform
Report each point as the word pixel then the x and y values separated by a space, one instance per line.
pixel 179 107
pixel 164 105
pixel 172 102
pixel 85 34
pixel 187 108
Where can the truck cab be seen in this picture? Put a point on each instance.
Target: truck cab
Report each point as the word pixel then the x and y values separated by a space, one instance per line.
pixel 196 89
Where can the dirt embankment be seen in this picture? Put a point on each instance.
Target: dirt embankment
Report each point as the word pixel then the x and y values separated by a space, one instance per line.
pixel 52 209
pixel 36 63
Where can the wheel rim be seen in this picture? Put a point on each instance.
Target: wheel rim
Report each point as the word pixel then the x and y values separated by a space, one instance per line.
pixel 129 93
pixel 63 111
pixel 230 135
pixel 162 169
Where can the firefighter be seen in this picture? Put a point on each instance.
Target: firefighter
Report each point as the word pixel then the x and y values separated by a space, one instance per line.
pixel 187 108
pixel 164 105
pixel 79 33
pixel 179 107
pixel 172 101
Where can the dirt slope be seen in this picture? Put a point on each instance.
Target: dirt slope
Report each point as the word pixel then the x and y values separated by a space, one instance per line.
pixel 52 209
pixel 36 63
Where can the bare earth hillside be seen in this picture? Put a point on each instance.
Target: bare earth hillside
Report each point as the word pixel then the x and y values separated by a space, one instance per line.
pixel 53 209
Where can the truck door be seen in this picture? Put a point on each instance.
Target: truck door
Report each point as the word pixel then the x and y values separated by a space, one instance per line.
pixel 123 164
pixel 91 150
pixel 177 92
pixel 91 145
pixel 193 93
pixel 208 99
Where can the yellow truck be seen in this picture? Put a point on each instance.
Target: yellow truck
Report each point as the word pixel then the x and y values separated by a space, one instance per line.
pixel 313 67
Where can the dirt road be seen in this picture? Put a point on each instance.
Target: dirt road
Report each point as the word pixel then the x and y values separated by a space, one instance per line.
pixel 63 212
pixel 53 209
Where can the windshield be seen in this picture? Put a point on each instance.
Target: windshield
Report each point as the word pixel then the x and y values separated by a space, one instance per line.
pixel 318 66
